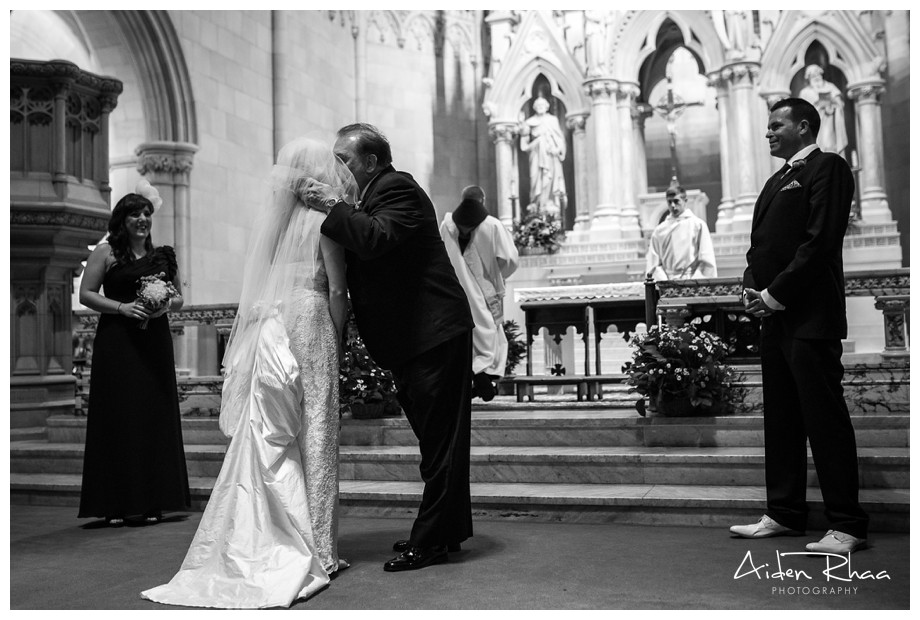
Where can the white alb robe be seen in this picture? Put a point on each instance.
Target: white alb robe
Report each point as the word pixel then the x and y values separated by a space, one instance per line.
pixel 680 249
pixel 489 258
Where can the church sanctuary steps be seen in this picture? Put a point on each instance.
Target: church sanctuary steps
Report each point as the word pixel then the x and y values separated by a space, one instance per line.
pixel 555 459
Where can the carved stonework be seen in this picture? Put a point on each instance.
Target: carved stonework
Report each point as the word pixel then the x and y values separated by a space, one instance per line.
pixel 165 160
pixel 896 311
pixel 29 217
pixel 703 287
pixel 63 71
pixel 503 132
pixel 866 92
pixel 744 73
pixel 878 283
pixel 627 92
pixel 675 316
pixel 601 89
pixel 577 122
pixel 617 290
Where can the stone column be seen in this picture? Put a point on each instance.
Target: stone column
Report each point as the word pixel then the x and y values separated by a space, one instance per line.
pixel 502 134
pixel 896 312
pixel 605 222
pixel 576 124
pixel 360 37
pixel 727 206
pixel 640 112
pixel 629 211
pixel 873 199
pixel 744 118
pixel 167 165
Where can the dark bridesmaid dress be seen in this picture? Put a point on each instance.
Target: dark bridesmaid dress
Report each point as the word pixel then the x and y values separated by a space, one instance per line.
pixel 134 462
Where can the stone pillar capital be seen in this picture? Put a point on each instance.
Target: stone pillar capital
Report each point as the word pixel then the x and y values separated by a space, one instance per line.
pixel 601 89
pixel 627 92
pixel 502 131
pixel 576 122
pixel 736 74
pixel 175 158
pixel 866 92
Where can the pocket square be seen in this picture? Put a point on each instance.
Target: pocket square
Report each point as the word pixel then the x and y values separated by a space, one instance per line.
pixel 792 185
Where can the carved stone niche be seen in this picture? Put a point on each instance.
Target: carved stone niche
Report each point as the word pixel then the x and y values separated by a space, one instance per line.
pixel 59 204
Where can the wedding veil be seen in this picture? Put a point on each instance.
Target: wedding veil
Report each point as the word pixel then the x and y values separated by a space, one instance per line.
pixel 282 256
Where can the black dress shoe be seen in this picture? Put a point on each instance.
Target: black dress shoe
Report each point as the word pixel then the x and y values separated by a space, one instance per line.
pixel 415 558
pixel 403 545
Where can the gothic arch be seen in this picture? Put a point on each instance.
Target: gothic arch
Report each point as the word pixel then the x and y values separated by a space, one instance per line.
pixel 524 62
pixel 634 40
pixel 151 48
pixel 846 41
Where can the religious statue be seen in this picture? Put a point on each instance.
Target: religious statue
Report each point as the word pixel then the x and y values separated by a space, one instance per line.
pixel 827 98
pixel 736 31
pixel 542 138
pixel 597 27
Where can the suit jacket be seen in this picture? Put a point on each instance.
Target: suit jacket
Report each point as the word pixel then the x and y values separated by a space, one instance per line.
pixel 797 245
pixel 404 292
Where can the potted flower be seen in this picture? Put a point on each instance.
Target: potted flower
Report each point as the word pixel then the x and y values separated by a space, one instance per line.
pixel 681 371
pixel 365 389
pixel 538 233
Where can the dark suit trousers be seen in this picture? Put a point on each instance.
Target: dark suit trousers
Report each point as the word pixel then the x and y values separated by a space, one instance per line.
pixel 803 399
pixel 434 391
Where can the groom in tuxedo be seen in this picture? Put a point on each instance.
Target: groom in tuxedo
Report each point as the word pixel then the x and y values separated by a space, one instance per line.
pixel 794 282
pixel 415 320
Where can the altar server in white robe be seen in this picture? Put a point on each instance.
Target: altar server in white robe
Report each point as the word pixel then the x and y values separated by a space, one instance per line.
pixel 483 254
pixel 680 247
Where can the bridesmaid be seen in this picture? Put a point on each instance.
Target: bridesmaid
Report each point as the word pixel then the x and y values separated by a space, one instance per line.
pixel 134 462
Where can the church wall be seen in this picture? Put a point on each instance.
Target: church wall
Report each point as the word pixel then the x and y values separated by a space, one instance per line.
pixel 228 54
pixel 896 123
pixel 314 76
pixel 423 103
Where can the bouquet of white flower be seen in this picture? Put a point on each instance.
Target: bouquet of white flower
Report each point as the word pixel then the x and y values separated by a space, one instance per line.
pixel 155 293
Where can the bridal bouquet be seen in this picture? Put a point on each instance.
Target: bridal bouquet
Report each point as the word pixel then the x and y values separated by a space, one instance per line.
pixel 155 293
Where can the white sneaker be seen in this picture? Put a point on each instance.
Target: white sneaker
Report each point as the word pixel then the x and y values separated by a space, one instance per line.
pixel 837 542
pixel 764 528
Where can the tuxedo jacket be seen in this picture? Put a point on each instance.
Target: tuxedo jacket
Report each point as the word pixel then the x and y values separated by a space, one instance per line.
pixel 796 249
pixel 404 292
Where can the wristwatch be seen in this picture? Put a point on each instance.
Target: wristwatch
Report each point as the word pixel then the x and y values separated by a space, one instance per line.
pixel 329 203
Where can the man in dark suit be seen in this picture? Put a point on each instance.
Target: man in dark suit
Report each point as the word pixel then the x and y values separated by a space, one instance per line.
pixel 415 320
pixel 794 282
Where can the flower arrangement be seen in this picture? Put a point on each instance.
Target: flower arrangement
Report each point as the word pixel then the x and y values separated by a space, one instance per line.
pixel 680 364
pixel 155 293
pixel 362 383
pixel 538 230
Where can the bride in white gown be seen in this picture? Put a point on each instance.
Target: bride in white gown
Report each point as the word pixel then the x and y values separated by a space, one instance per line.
pixel 268 534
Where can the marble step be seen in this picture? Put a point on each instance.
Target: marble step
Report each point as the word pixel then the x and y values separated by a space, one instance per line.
pixel 29 433
pixel 879 467
pixel 645 504
pixel 553 424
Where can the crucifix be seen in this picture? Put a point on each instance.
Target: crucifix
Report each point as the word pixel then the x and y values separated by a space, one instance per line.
pixel 670 107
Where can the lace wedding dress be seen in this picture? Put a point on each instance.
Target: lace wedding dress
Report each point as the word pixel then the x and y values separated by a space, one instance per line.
pixel 268 534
